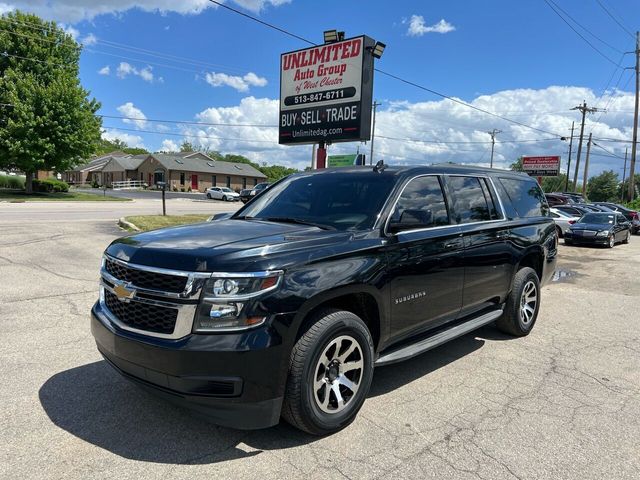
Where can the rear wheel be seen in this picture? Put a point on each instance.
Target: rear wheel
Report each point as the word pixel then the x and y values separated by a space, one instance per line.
pixel 225 198
pixel 626 238
pixel 521 309
pixel 330 373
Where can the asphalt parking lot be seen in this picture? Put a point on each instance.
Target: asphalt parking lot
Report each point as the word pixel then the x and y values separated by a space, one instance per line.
pixel 562 403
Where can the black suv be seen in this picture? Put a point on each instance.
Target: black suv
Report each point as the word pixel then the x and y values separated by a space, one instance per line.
pixel 285 308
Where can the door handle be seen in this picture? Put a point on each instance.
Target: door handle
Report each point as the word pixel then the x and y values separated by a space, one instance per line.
pixel 451 245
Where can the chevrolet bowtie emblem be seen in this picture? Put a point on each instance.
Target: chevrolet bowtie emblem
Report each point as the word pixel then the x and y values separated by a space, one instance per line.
pixel 123 293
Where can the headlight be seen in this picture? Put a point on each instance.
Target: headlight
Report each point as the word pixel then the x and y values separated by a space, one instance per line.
pixel 224 299
pixel 604 233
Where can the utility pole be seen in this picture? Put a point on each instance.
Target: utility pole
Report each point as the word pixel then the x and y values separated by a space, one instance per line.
pixel 566 183
pixel 584 109
pixel 586 168
pixel 373 130
pixel 493 134
pixel 624 173
pixel 632 169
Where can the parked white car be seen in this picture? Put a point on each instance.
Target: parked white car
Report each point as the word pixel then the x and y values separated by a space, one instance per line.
pixel 562 220
pixel 222 193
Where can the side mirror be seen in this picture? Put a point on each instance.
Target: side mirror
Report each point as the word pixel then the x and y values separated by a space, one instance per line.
pixel 412 219
pixel 219 216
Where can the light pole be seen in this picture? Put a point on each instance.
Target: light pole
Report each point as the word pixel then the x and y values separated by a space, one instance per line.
pixel 493 134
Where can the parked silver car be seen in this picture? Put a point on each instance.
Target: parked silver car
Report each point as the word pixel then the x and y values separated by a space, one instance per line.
pixel 562 220
pixel 222 193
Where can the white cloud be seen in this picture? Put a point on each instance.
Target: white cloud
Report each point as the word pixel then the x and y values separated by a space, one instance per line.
pixel 169 146
pixel 76 10
pixel 131 140
pixel 241 84
pixel 125 69
pixel 417 26
pixel 89 40
pixel 106 70
pixel 136 116
pixel 421 133
pixel 6 8
pixel 69 30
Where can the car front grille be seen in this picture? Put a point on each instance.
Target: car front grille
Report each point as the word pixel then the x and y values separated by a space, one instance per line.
pixel 142 316
pixel 145 278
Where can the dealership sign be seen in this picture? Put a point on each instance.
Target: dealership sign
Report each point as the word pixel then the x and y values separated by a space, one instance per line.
pixel 541 166
pixel 326 93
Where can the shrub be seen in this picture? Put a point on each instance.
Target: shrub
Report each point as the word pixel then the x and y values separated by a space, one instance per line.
pixel 50 185
pixel 95 184
pixel 12 181
pixel 635 205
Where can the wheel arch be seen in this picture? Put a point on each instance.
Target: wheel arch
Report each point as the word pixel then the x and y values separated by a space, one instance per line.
pixel 361 300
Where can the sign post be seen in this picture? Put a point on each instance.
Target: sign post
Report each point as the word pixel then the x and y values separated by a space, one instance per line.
pixel 326 93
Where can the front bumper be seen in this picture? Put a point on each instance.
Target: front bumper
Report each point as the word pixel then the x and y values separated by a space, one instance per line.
pixel 580 240
pixel 237 379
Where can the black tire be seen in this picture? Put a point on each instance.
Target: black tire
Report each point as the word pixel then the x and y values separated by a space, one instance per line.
pixel 513 321
pixel 209 196
pixel 568 242
pixel 559 230
pixel 301 404
pixel 225 199
pixel 626 238
pixel 611 241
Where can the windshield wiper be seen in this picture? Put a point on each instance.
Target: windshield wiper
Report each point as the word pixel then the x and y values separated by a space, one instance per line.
pixel 298 221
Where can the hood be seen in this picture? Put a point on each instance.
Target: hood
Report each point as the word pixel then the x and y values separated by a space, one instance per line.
pixel 590 226
pixel 225 245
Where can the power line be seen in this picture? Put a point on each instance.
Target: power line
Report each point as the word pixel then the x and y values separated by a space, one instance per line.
pixel 408 82
pixel 188 135
pixel 6 54
pixel 549 3
pixel 186 122
pixel 615 19
pixel 281 30
pixel 585 29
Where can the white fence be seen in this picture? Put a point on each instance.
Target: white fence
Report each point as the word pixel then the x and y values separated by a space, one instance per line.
pixel 128 184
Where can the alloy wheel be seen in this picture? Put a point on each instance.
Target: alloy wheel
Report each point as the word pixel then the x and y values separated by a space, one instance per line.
pixel 338 374
pixel 612 241
pixel 528 302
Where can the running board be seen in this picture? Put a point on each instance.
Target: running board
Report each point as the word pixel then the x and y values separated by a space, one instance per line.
pixel 438 339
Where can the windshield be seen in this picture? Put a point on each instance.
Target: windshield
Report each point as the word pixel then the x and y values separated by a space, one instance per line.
pixel 340 200
pixel 598 218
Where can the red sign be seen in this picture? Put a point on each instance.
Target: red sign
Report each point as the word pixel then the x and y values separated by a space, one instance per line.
pixel 541 166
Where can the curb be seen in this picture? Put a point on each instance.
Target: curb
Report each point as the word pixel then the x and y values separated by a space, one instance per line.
pixel 122 223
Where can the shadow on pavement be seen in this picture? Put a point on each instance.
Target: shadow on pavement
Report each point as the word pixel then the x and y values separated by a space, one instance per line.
pixel 95 404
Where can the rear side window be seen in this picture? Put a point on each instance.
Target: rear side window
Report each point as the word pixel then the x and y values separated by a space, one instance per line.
pixel 422 202
pixel 472 201
pixel 526 197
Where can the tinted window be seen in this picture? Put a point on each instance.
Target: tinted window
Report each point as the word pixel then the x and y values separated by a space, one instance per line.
pixel 340 200
pixel 526 196
pixel 597 218
pixel 422 202
pixel 469 201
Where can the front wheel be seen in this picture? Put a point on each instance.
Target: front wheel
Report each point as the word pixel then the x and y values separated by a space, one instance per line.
pixel 612 241
pixel 330 373
pixel 522 306
pixel 209 196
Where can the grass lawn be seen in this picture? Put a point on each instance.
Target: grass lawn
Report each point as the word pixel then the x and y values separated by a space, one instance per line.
pixel 153 222
pixel 18 196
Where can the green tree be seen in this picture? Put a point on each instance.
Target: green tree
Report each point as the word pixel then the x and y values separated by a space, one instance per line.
pixel 623 189
pixel 48 121
pixel 554 184
pixel 517 165
pixel 603 187
pixel 107 146
pixel 276 172
pixel 187 147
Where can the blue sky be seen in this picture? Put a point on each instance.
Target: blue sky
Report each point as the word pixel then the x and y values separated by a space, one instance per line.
pixel 518 59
